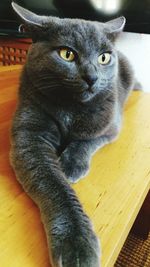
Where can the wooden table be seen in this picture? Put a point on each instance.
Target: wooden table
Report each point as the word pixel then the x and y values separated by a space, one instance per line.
pixel 112 193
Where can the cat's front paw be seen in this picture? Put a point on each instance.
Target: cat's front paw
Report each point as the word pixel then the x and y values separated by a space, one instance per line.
pixel 76 251
pixel 74 168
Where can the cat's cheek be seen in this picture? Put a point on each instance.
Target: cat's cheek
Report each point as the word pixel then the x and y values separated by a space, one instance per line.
pixel 62 67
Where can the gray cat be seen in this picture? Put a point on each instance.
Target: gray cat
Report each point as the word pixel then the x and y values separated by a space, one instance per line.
pixel 72 92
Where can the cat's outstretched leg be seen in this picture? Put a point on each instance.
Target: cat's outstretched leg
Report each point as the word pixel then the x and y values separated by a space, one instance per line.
pixel 70 236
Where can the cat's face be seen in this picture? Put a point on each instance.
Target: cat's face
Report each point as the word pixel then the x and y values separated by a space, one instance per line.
pixel 72 55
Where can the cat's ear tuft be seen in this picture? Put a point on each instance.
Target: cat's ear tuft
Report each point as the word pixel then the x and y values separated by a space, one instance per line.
pixel 28 16
pixel 116 25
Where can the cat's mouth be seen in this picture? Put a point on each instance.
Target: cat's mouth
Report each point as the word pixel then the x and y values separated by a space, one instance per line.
pixel 92 91
pixel 86 95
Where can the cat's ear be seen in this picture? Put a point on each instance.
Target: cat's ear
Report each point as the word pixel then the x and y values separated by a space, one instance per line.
pixel 28 16
pixel 34 24
pixel 115 26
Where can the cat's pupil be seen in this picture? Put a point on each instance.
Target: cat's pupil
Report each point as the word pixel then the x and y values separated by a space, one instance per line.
pixel 68 53
pixel 103 57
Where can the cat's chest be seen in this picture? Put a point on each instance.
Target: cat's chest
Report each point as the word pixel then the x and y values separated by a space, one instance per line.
pixel 65 120
pixel 89 123
pixel 84 122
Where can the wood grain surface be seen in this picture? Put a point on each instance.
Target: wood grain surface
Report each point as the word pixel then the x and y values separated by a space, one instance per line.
pixel 111 194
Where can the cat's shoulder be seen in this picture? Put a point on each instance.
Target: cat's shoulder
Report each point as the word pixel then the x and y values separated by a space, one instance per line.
pixel 126 76
pixel 124 62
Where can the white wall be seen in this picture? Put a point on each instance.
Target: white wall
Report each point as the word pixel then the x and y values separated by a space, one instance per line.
pixel 136 47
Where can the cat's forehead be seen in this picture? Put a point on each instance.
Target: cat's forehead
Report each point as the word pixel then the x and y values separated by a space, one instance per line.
pixel 80 33
pixel 84 27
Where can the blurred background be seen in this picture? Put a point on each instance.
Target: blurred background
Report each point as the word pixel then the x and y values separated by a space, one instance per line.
pixel 135 42
pixel 137 12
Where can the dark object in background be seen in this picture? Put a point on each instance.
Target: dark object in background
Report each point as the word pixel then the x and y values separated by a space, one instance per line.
pixel 137 12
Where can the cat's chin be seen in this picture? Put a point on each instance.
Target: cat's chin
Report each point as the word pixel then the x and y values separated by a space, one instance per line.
pixel 86 96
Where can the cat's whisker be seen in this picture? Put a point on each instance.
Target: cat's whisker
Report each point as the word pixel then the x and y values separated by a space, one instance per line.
pixel 49 77
pixel 74 86
pixel 51 88
pixel 70 82
pixel 45 81
pixel 46 84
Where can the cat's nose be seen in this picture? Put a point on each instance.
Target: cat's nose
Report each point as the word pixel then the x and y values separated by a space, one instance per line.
pixel 90 79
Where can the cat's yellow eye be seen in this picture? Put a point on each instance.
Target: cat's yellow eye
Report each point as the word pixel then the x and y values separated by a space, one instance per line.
pixel 104 58
pixel 67 54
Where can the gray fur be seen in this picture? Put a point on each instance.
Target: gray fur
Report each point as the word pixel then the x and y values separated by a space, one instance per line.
pixel 61 121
